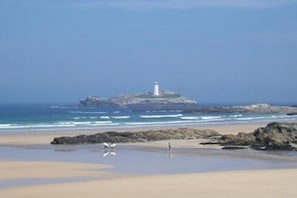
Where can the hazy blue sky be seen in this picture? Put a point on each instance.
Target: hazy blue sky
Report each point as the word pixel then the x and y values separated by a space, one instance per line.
pixel 212 51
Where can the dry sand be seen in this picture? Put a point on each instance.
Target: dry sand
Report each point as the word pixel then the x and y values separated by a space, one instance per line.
pixel 249 183
pixel 255 183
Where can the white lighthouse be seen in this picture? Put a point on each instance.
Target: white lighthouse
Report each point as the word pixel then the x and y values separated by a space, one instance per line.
pixel 156 89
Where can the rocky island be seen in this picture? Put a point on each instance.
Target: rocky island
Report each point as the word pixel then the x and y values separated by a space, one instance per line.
pixel 261 108
pixel 160 100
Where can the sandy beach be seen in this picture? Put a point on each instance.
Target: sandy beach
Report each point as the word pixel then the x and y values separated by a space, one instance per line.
pixel 79 179
pixel 256 183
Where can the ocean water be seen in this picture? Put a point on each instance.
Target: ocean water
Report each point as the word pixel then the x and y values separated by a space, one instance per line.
pixel 27 117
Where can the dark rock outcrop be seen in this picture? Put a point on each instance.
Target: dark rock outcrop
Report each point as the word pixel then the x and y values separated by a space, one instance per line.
pixel 292 114
pixel 253 108
pixel 276 136
pixel 143 136
pixel 233 147
pixel 241 139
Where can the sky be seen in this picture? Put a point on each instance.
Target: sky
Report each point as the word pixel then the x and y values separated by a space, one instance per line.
pixel 213 51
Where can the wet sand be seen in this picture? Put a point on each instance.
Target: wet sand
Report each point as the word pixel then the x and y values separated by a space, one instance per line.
pixel 88 179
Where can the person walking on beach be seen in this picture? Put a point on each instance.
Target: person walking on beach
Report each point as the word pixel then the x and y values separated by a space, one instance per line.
pixel 169 146
pixel 169 150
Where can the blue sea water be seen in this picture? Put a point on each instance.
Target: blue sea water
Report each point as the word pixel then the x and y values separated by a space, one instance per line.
pixel 26 117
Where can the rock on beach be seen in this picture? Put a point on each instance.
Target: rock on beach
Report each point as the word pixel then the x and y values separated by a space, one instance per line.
pixel 275 136
pixel 141 136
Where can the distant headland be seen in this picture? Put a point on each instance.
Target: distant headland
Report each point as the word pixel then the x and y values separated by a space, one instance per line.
pixel 158 99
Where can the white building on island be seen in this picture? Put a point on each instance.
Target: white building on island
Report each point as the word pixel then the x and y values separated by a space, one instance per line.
pixel 156 89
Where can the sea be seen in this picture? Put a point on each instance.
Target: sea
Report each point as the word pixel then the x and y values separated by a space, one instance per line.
pixel 38 117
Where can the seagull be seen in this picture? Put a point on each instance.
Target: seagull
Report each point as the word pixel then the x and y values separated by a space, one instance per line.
pixel 106 145
pixel 109 149
pixel 112 146
pixel 109 145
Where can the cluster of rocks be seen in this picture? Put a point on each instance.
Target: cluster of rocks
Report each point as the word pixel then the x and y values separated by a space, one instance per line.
pixel 142 136
pixel 253 108
pixel 275 136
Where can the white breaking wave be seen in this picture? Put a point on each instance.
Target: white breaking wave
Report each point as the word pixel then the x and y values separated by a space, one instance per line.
pixel 60 107
pixel 103 122
pixel 210 117
pixel 87 112
pixel 87 123
pixel 257 118
pixel 82 123
pixel 104 117
pixel 50 125
pixel 84 118
pixel 54 107
pixel 162 116
pixel 236 116
pixel 120 117
pixel 246 119
pixel 11 126
pixel 159 123
pixel 190 118
pixel 80 118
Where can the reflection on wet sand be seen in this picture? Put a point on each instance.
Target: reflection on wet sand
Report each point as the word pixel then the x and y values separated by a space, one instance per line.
pixel 109 153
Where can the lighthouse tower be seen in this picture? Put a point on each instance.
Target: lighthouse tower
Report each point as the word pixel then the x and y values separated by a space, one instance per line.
pixel 156 89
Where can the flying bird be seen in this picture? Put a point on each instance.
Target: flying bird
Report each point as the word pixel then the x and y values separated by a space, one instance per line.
pixel 109 145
